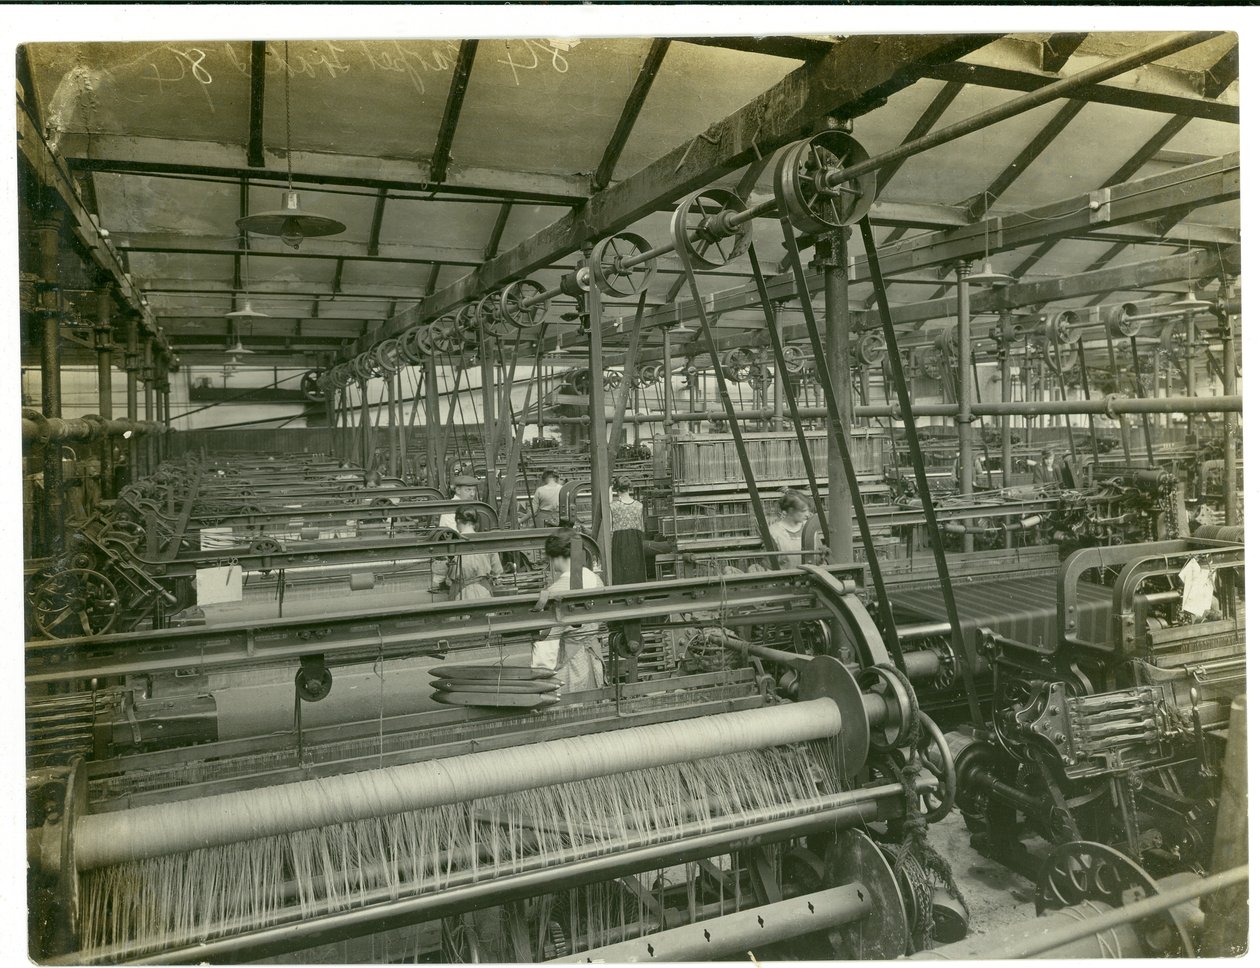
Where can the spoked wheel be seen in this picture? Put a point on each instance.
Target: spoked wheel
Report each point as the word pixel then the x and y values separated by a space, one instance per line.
pixel 937 759
pixel 800 183
pixel 75 602
pixel 1082 870
pixel 607 264
pixel 702 233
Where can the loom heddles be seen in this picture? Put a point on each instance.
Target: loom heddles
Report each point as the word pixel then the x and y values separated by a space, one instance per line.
pixel 194 896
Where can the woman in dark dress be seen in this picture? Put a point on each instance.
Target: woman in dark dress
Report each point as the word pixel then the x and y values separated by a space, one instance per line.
pixel 627 535
pixel 628 565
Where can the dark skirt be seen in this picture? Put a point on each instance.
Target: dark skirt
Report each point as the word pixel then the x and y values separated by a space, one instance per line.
pixel 628 565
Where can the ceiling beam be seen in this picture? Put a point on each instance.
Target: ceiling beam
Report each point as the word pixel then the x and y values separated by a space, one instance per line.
pixel 1134 277
pixel 1135 201
pixel 496 232
pixel 1132 165
pixel 1131 278
pixel 1057 50
pixel 257 97
pixel 49 171
pixel 629 114
pixel 378 216
pixel 1218 77
pixel 858 73
pixel 796 48
pixel 1139 89
pixel 169 156
pixel 978 204
pixel 441 156
pixel 925 123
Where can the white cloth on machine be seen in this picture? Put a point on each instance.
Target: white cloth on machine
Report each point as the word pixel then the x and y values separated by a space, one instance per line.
pixel 581 659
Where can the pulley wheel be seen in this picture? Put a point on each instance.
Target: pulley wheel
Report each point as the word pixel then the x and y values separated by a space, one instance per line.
pixel 1065 328
pixel 490 317
pixel 610 275
pixel 75 602
pixel 794 358
pixel 871 349
pixel 445 335
pixel 938 759
pixel 512 303
pixel 468 324
pixel 902 705
pixel 739 364
pixel 884 931
pixel 826 676
pixel 702 232
pixel 1119 320
pixel 409 345
pixel 312 385
pixel 612 379
pixel 341 376
pixel 266 546
pixel 582 381
pixel 388 356
pixel 1082 870
pixel 802 191
pixel 365 368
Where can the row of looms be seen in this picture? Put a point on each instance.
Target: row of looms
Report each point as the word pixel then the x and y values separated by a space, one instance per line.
pixel 913 627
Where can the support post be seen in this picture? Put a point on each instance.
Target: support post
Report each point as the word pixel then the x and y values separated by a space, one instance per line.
pixel 49 230
pixel 391 406
pixel 432 425
pixel 667 376
pixel 966 465
pixel 1004 365
pixel 162 389
pixel 601 515
pixel 104 384
pixel 488 416
pixel 147 377
pixel 403 426
pixel 1229 382
pixel 779 378
pixel 365 428
pixel 132 362
pixel 832 252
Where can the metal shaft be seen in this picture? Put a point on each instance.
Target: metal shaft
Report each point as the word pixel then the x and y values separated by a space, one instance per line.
pixel 1018 105
pixel 966 469
pixel 739 932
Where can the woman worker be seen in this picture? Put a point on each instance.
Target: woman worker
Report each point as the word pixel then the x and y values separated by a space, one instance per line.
pixel 580 660
pixel 472 576
pixel 788 530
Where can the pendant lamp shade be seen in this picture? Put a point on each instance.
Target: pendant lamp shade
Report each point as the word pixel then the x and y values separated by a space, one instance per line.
pixel 290 222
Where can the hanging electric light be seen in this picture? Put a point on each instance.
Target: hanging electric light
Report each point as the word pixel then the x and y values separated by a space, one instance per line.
pixel 290 222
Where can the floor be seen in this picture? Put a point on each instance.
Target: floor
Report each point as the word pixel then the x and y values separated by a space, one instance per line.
pixel 995 895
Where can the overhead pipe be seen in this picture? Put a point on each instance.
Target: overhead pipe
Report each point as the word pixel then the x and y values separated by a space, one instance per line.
pixel 39 429
pixel 1105 406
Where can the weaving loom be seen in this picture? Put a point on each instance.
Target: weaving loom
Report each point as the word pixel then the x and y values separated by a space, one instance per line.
pixel 513 835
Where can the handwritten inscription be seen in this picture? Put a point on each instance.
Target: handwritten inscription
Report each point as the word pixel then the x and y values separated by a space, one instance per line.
pixel 552 51
pixel 169 66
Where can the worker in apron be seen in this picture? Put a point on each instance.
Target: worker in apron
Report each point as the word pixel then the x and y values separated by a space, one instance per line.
pixel 472 576
pixel 465 490
pixel 579 659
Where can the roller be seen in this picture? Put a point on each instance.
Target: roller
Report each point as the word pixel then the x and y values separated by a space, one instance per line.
pixel 162 829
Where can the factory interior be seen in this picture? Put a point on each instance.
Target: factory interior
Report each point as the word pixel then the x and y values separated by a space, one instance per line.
pixel 620 499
